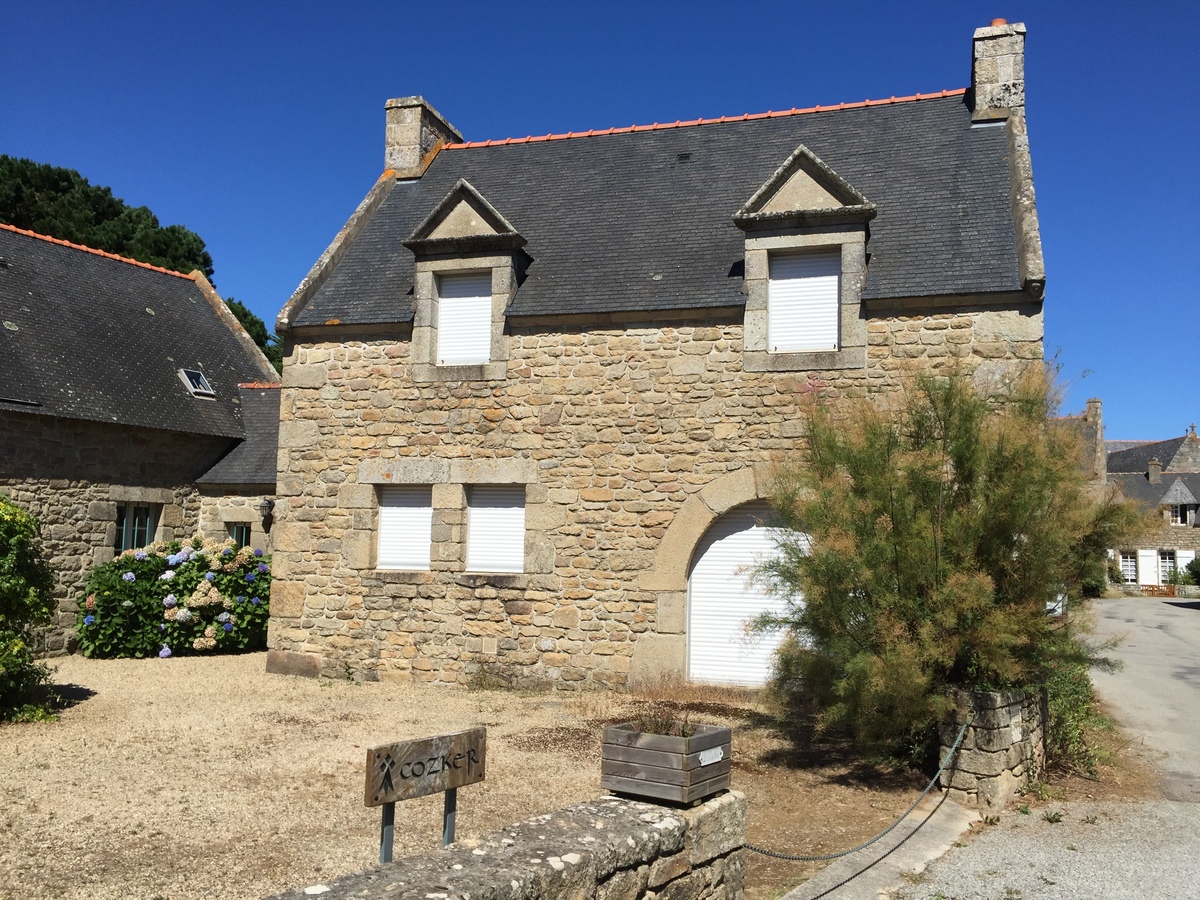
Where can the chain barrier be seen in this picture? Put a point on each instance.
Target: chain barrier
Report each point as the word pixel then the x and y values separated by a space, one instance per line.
pixel 886 831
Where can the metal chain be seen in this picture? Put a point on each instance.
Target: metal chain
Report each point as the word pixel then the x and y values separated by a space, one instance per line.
pixel 903 816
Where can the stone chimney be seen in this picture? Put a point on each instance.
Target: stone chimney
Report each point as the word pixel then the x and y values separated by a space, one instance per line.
pixel 415 131
pixel 1154 471
pixel 1093 416
pixel 998 71
pixel 998 93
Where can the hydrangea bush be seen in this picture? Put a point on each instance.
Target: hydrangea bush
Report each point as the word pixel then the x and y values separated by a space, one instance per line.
pixel 177 598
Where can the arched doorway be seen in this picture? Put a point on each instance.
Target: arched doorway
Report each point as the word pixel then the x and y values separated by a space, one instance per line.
pixel 722 598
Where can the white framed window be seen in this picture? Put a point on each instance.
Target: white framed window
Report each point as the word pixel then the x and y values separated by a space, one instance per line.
pixel 803 302
pixel 464 319
pixel 405 527
pixel 1166 565
pixel 136 525
pixel 1181 513
pixel 496 528
pixel 1129 566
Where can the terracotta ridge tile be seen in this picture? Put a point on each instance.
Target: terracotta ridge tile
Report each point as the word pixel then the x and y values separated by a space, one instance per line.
pixel 93 250
pixel 747 117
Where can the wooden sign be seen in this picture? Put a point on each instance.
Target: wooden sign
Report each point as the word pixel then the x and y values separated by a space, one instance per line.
pixel 427 766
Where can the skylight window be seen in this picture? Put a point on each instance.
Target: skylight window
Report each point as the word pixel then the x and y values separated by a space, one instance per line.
pixel 196 383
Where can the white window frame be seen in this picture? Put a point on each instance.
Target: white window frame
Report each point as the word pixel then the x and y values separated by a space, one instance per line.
pixel 464 319
pixel 1180 513
pixel 496 528
pixel 405 529
pixel 1129 572
pixel 804 302
pixel 1166 565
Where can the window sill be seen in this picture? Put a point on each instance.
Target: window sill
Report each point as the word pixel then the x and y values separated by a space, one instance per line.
pixel 424 373
pixel 401 576
pixel 763 361
pixel 493 579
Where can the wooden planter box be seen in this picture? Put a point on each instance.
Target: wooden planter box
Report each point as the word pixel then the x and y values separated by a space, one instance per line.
pixel 680 769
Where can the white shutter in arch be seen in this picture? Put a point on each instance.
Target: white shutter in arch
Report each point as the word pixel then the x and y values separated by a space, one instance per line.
pixel 496 528
pixel 802 303
pixel 464 327
pixel 405 527
pixel 722 599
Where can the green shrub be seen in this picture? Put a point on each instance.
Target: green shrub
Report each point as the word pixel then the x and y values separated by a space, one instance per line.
pixel 173 598
pixel 26 600
pixel 1193 569
pixel 926 543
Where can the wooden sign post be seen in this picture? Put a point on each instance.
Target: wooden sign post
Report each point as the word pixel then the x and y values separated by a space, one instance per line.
pixel 431 765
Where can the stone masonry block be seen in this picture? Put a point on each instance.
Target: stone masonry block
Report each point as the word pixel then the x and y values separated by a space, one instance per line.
pixel 716 828
pixel 730 490
pixel 672 612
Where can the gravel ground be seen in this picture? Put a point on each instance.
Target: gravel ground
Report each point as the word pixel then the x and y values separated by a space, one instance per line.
pixel 1098 851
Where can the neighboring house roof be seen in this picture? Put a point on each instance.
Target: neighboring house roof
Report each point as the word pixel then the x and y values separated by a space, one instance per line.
pixel 1181 454
pixel 255 459
pixel 1136 486
pixel 1111 447
pixel 644 219
pixel 88 335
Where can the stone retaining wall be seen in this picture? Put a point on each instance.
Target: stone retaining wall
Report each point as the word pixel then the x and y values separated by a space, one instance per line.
pixel 607 849
pixel 1003 749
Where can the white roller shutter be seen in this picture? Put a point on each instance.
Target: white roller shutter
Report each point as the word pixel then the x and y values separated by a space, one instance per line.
pixel 802 304
pixel 1147 567
pixel 721 600
pixel 496 528
pixel 405 527
pixel 464 327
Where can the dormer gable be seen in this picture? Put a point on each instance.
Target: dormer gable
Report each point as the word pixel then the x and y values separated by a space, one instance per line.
pixel 802 192
pixel 1178 494
pixel 464 222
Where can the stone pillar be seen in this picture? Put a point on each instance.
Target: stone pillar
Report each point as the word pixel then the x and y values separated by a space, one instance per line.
pixel 414 130
pixel 1003 748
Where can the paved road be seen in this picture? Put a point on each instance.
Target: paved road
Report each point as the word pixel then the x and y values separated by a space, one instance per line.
pixel 1157 694
pixel 1108 850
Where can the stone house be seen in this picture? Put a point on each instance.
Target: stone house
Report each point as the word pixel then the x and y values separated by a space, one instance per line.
pixel 1163 477
pixel 123 387
pixel 534 390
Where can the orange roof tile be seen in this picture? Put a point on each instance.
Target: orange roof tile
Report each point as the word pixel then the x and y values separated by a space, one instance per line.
pixel 124 259
pixel 259 384
pixel 657 126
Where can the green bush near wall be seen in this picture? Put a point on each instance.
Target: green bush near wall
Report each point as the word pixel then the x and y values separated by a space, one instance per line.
pixel 175 598
pixel 26 600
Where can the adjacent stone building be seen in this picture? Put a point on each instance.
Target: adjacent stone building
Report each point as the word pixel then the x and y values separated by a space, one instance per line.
pixel 535 389
pixel 119 388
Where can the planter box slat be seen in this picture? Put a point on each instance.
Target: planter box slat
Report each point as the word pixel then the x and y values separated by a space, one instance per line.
pixel 706 736
pixel 664 759
pixel 665 767
pixel 665 776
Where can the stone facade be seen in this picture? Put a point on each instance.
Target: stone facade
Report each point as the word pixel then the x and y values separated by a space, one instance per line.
pixel 219 508
pixel 631 435
pixel 72 475
pixel 1003 748
pixel 610 849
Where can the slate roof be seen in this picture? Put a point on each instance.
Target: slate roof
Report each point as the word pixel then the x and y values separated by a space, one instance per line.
pixel 1137 459
pixel 254 460
pixel 1137 487
pixel 86 335
pixel 643 220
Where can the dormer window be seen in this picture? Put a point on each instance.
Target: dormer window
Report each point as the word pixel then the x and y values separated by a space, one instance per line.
pixel 806 238
pixel 464 319
pixel 197 384
pixel 468 261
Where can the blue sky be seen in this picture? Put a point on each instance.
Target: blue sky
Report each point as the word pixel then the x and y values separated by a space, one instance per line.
pixel 260 126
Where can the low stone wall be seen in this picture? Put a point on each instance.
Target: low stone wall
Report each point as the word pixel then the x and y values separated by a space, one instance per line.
pixel 1003 749
pixel 609 849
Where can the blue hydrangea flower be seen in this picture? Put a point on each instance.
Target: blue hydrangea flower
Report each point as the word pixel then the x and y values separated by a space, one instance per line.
pixel 167 575
pixel 258 551
pixel 139 556
pixel 264 568
pixel 169 601
pixel 240 598
pixel 173 560
pixel 228 626
pixel 255 601
pixel 250 576
pixel 209 576
pixel 162 628
pixel 89 620
pixel 129 576
pixel 165 652
pixel 226 552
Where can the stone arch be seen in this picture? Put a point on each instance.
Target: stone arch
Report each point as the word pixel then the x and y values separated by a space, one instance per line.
pixel 662 652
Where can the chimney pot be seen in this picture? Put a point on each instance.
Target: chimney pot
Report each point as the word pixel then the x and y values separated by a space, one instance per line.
pixel 997 22
pixel 414 129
